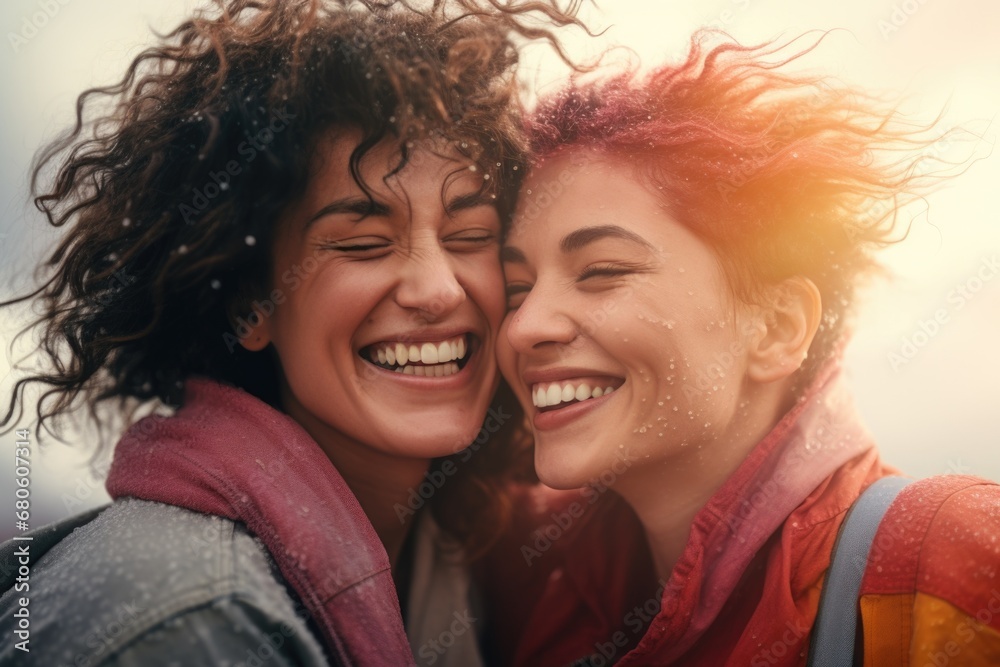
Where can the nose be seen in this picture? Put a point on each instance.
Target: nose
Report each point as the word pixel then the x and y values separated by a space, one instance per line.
pixel 428 283
pixel 543 320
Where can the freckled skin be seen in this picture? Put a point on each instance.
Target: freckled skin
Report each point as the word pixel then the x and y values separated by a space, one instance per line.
pixel 658 326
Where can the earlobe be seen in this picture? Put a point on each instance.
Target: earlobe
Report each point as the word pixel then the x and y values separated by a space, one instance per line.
pixel 257 340
pixel 789 321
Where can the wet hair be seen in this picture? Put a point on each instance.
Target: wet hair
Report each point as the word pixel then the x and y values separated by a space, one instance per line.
pixel 781 174
pixel 170 183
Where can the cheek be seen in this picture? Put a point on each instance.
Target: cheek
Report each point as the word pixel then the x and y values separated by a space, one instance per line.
pixel 506 357
pixel 485 287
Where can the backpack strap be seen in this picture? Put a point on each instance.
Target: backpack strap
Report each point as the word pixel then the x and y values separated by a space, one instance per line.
pixel 833 636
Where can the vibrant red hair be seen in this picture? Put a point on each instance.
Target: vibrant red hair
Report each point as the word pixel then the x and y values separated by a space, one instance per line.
pixel 781 174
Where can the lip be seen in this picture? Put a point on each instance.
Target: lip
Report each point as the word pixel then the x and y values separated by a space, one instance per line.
pixel 424 336
pixel 563 373
pixel 554 419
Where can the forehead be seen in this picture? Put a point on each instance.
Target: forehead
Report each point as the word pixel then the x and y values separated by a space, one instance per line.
pixel 379 166
pixel 578 188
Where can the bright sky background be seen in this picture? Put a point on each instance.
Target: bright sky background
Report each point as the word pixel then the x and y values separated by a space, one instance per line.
pixel 938 412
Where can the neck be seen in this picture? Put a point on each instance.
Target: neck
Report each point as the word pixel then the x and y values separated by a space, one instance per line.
pixel 379 481
pixel 667 495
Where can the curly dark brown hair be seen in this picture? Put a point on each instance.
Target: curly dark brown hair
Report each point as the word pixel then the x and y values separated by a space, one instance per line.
pixel 170 193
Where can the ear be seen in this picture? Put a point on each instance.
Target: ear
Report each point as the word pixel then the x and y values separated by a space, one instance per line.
pixel 260 334
pixel 789 320
pixel 254 329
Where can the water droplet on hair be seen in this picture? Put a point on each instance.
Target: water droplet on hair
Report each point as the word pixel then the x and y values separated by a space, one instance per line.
pixel 216 284
pixel 250 240
pixel 126 222
pixel 181 250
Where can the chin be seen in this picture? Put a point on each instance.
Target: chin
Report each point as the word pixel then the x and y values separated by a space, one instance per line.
pixel 557 472
pixel 420 442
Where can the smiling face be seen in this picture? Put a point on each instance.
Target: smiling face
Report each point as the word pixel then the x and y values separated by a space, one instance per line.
pixel 621 339
pixel 387 329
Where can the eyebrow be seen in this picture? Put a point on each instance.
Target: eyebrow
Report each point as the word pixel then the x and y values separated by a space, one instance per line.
pixel 512 255
pixel 360 206
pixel 579 239
pixel 364 207
pixel 587 235
pixel 467 201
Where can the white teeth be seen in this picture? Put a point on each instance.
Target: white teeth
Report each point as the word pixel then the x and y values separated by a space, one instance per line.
pixel 543 396
pixel 436 358
pixel 429 353
pixel 538 398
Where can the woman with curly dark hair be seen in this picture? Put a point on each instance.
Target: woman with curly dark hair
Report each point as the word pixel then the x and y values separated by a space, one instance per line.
pixel 282 247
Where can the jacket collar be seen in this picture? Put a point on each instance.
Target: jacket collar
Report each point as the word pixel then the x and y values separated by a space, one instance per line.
pixel 819 435
pixel 227 453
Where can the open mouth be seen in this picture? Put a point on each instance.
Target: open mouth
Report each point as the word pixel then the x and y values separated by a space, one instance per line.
pixel 429 359
pixel 549 396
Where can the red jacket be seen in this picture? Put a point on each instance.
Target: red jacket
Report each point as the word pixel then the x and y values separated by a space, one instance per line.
pixel 746 589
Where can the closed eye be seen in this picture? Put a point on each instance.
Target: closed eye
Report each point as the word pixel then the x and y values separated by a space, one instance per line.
pixel 516 293
pixel 364 248
pixel 605 270
pixel 471 240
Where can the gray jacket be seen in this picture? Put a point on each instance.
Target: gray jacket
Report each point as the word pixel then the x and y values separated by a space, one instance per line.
pixel 144 584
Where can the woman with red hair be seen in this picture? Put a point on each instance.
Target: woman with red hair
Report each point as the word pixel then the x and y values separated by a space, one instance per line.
pixel 680 272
